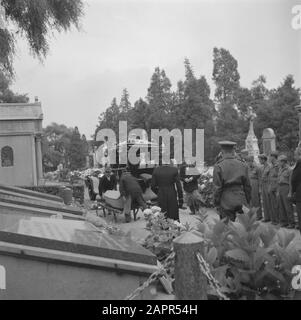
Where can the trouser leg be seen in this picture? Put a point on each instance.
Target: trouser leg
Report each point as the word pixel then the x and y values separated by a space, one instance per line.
pixel 127 207
pixel 274 207
pixel 139 199
pixel 285 206
pixel 265 202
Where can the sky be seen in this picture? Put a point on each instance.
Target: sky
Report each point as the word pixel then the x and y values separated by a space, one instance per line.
pixel 122 41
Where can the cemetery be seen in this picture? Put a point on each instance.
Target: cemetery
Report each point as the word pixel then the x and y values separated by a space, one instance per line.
pixel 79 220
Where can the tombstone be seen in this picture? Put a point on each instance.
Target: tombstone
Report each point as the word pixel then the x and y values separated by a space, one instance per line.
pixel 268 141
pixel 62 259
pixel 251 140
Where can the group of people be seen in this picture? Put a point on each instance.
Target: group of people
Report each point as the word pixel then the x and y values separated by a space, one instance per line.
pixel 167 182
pixel 271 187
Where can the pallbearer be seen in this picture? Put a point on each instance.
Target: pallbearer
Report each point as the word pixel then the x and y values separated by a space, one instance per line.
pixel 232 184
pixel 285 206
pixel 264 184
pixel 254 175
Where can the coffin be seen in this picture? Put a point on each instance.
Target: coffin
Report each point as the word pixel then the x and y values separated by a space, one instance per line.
pixel 113 199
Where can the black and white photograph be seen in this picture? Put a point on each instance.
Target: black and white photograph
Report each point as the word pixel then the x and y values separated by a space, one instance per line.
pixel 150 150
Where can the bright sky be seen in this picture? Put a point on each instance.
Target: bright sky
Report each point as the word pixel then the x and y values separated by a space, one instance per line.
pixel 122 41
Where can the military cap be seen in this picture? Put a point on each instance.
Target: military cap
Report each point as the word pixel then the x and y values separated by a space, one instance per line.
pixel 282 157
pixel 227 143
pixel 263 156
pixel 274 154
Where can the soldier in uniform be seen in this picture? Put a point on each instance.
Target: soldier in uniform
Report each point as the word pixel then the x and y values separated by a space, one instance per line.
pixel 272 187
pixel 254 175
pixel 232 184
pixel 285 206
pixel 265 169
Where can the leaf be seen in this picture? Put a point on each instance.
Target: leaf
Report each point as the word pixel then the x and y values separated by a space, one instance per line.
pixel 285 237
pixel 238 254
pixel 211 255
pixel 276 275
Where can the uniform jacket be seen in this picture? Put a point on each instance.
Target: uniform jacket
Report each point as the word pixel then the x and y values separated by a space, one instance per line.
pixel 296 181
pixel 265 170
pixel 232 183
pixel 284 175
pixel 273 178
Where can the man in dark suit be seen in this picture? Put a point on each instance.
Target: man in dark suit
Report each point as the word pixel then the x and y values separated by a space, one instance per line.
pixel 170 194
pixel 107 182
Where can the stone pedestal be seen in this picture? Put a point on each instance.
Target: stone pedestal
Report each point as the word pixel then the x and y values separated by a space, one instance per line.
pixel 268 141
pixel 251 140
pixel 190 282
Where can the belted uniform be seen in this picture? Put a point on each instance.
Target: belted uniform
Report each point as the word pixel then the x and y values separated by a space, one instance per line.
pixel 232 186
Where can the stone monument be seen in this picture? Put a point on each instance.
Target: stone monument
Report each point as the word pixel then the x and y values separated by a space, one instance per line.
pixel 268 141
pixel 251 140
pixel 20 144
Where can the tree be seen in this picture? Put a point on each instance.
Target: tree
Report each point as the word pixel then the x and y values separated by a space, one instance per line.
pixel 160 99
pixel 76 151
pixel 109 119
pixel 55 145
pixel 279 114
pixel 225 76
pixel 139 115
pixel 6 94
pixel 125 105
pixel 34 20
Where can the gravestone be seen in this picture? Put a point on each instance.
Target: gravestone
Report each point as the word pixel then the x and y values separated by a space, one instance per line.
pixel 75 237
pixel 268 141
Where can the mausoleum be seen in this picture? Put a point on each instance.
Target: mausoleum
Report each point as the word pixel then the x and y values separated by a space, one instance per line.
pixel 20 143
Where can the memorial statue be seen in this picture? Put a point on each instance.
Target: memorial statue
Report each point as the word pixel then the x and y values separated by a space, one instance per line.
pixel 251 141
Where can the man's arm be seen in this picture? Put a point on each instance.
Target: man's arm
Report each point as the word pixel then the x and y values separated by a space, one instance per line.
pixel 179 190
pixel 114 179
pixel 122 187
pixel 218 185
pixel 247 186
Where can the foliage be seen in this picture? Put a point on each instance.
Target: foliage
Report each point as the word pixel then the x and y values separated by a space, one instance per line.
pixel 6 94
pixel 162 233
pixel 251 260
pixel 63 145
pixel 225 76
pixel 190 106
pixel 34 20
pixel 206 190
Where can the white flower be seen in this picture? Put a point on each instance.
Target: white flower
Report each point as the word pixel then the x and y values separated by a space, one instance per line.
pixel 155 209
